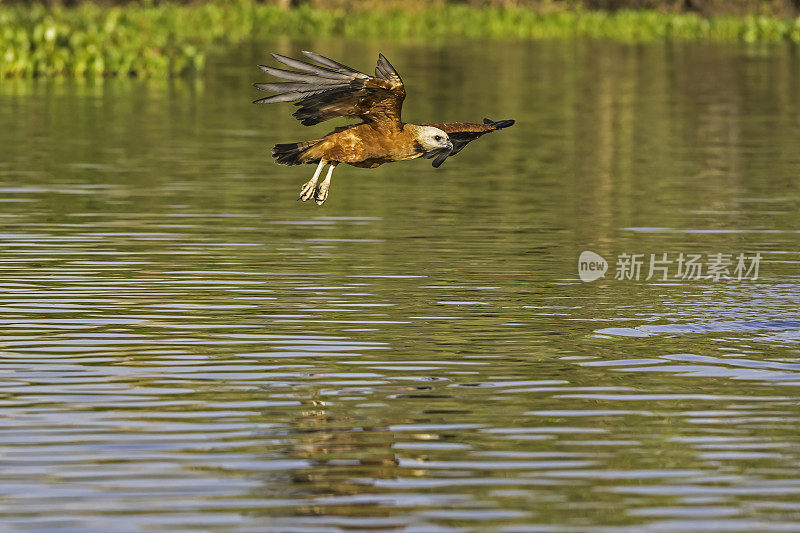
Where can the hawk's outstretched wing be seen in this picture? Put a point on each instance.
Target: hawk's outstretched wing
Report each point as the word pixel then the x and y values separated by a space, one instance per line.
pixel 336 90
pixel 461 133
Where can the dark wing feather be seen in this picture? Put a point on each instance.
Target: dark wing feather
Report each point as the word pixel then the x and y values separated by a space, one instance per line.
pixel 330 63
pixel 336 90
pixel 386 71
pixel 462 133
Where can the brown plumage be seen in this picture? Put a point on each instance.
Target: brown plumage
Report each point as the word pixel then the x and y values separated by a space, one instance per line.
pixel 335 90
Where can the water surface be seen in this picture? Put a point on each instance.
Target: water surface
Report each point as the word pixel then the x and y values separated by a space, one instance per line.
pixel 186 348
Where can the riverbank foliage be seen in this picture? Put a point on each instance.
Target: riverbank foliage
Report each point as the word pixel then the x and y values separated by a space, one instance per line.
pixel 146 39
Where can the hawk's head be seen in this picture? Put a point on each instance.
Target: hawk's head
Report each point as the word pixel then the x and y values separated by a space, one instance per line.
pixel 433 139
pixel 433 142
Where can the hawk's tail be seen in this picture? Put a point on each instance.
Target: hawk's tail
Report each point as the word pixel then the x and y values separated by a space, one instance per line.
pixel 292 153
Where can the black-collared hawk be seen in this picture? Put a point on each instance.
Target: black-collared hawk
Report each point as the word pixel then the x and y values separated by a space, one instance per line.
pixel 335 90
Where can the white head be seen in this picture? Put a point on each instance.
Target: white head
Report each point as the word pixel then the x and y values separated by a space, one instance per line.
pixel 433 139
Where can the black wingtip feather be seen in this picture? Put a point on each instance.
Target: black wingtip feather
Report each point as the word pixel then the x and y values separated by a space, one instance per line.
pixel 385 70
pixel 439 160
pixel 500 124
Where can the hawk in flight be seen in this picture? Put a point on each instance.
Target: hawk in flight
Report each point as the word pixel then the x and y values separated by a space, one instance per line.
pixel 329 89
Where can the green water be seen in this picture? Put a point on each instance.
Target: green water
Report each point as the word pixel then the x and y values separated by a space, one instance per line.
pixel 184 347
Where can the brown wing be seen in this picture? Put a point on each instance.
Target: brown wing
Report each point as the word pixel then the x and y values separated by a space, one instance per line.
pixel 462 133
pixel 336 90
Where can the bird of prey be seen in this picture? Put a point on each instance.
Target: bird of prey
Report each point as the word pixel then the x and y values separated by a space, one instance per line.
pixel 329 89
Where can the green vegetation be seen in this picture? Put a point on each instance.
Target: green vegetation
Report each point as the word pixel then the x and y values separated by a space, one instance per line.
pixel 145 40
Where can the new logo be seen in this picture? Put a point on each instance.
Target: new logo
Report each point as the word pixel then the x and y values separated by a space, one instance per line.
pixel 591 266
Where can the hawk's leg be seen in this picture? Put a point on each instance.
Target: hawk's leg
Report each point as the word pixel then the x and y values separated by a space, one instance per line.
pixel 307 190
pixel 322 190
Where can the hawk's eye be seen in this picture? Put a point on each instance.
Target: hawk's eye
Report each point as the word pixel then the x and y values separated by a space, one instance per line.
pixel 438 137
